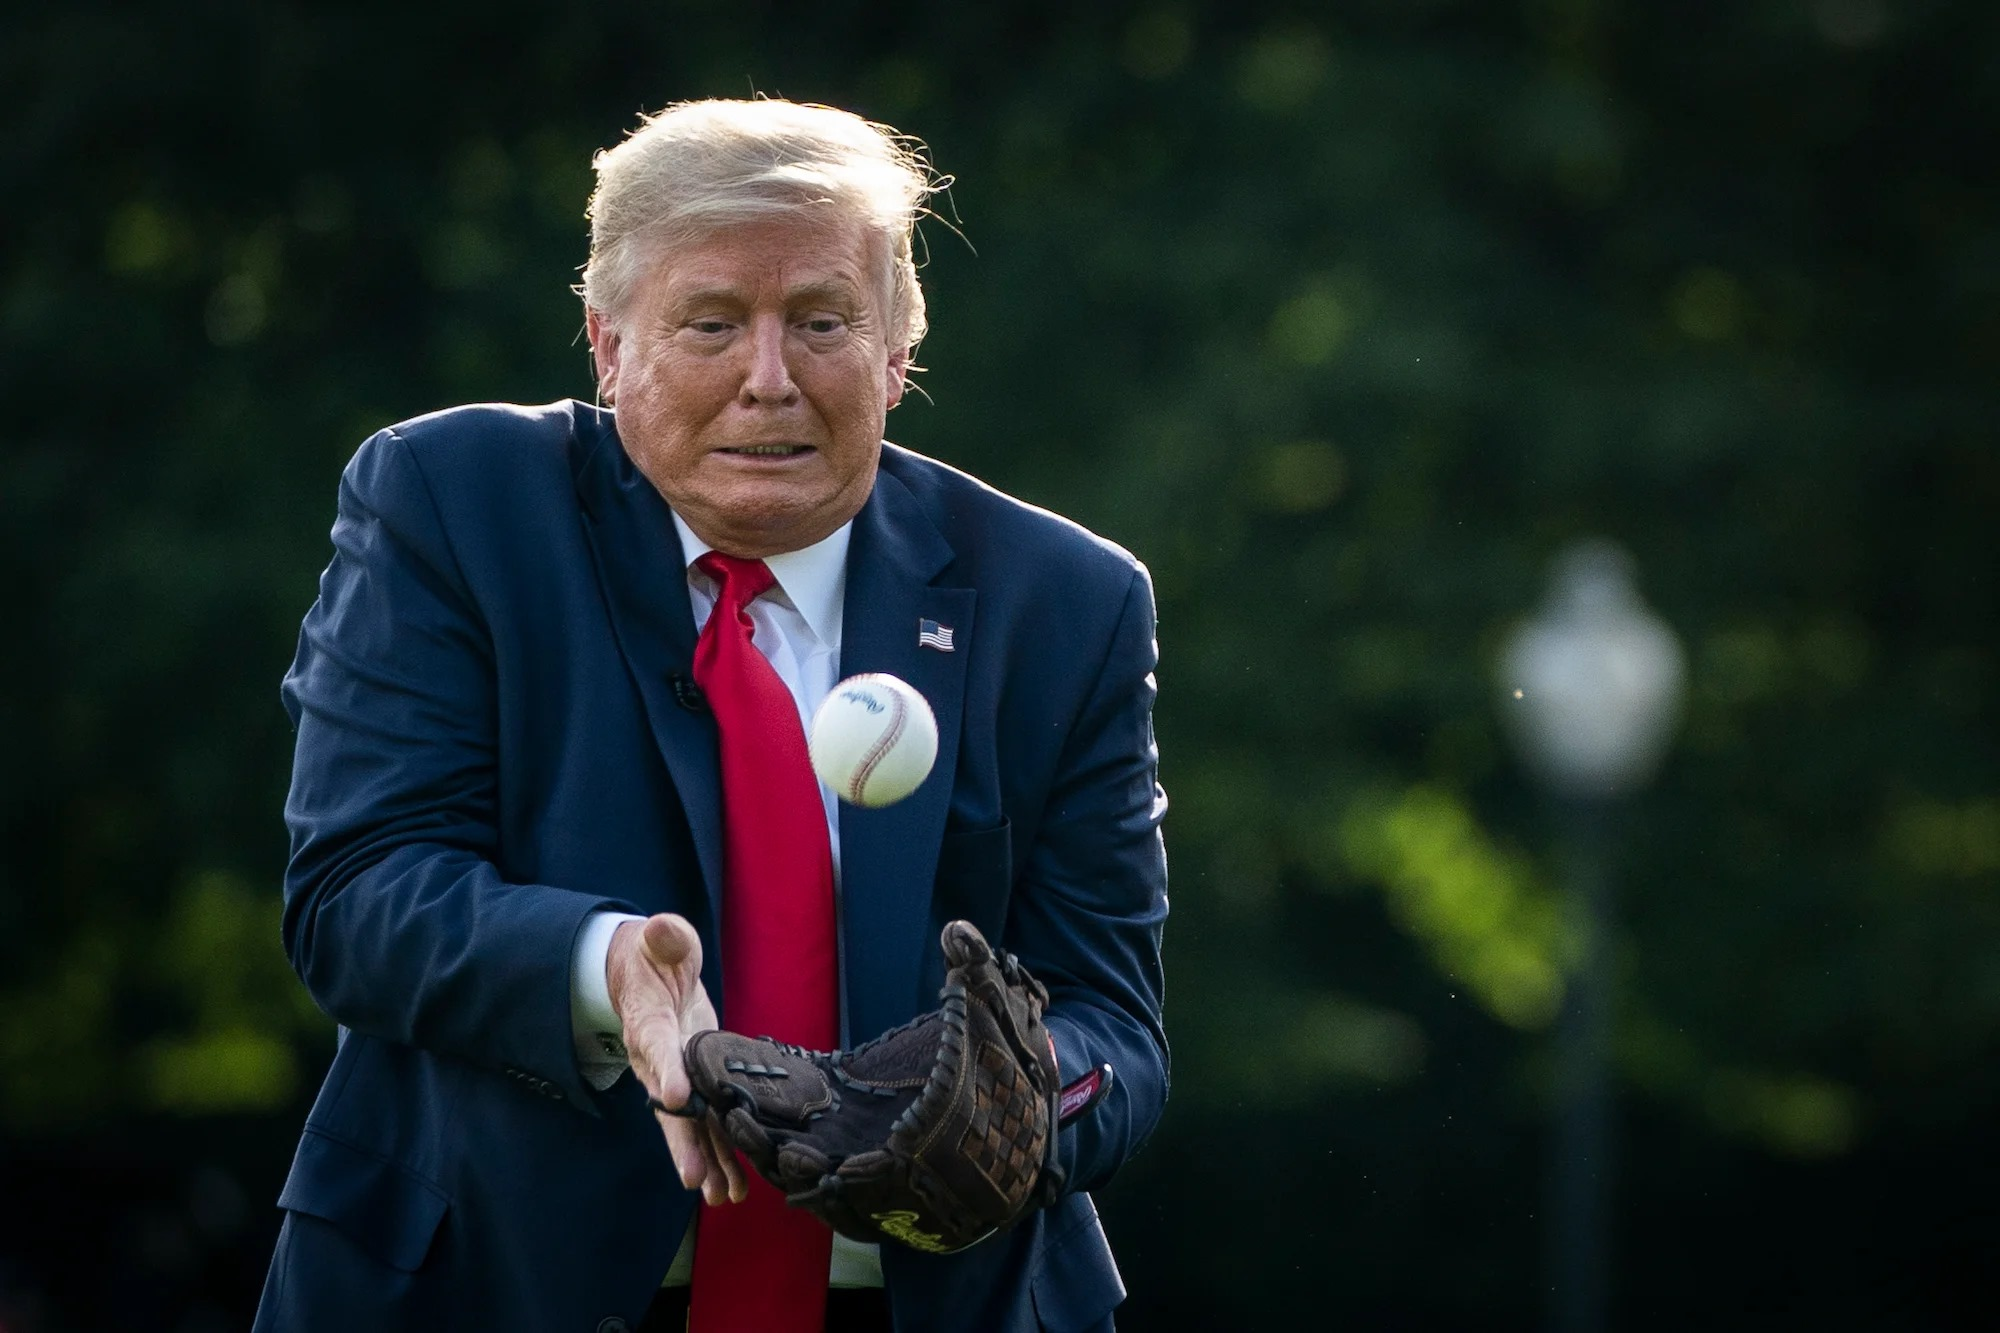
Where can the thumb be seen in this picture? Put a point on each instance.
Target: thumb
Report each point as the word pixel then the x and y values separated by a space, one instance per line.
pixel 671 942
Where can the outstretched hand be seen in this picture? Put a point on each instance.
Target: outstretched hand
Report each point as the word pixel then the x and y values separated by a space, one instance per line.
pixel 654 974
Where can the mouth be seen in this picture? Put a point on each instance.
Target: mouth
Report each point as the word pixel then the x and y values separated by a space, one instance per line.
pixel 768 450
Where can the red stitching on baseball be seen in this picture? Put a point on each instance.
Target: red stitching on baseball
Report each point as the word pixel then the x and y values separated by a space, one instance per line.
pixel 883 744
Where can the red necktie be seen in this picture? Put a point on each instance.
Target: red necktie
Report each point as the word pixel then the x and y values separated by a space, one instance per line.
pixel 760 1267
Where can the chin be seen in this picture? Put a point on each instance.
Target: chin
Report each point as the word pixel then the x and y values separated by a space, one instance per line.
pixel 757 530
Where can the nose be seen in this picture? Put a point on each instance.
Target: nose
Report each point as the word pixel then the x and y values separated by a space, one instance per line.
pixel 768 378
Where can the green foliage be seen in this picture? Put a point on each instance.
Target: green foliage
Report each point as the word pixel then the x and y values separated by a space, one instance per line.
pixel 1482 912
pixel 194 1014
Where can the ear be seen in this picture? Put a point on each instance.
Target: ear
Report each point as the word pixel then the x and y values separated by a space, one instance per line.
pixel 604 347
pixel 899 371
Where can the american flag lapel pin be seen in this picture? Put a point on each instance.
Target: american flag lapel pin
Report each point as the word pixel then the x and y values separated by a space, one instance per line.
pixel 930 634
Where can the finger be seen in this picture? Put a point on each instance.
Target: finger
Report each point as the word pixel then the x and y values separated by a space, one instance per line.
pixel 689 1147
pixel 725 1181
pixel 738 1185
pixel 715 1183
pixel 672 943
pixel 695 1108
pixel 703 1158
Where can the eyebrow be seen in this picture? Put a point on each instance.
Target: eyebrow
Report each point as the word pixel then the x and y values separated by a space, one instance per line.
pixel 830 290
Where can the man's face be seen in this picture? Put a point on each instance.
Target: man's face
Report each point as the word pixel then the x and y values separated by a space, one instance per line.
pixel 750 373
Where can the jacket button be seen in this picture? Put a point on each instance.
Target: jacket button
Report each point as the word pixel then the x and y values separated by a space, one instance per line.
pixel 614 1325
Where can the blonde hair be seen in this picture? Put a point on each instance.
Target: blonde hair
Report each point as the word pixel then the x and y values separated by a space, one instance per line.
pixel 698 167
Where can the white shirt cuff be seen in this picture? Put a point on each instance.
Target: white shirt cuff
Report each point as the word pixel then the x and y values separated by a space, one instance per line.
pixel 600 1048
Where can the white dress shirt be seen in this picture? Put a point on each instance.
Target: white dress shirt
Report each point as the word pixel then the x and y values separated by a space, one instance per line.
pixel 797 626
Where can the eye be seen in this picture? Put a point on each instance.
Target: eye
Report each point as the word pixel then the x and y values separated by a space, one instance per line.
pixel 710 327
pixel 823 324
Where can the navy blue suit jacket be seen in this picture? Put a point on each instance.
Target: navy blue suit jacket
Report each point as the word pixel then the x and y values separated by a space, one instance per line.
pixel 495 740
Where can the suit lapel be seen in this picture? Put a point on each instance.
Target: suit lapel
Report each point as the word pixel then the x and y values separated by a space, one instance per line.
pixel 644 577
pixel 889 856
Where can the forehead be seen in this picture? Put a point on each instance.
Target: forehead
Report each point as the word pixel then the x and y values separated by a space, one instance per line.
pixel 769 258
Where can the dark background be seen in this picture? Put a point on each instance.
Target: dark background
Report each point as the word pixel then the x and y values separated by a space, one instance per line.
pixel 1347 325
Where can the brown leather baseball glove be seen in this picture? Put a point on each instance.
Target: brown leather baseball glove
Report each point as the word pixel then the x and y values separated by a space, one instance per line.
pixel 936 1134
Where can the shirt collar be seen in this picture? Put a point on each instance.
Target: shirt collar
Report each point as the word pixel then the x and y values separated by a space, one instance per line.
pixel 813 580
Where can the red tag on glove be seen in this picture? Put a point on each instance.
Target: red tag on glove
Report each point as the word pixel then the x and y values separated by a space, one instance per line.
pixel 1083 1094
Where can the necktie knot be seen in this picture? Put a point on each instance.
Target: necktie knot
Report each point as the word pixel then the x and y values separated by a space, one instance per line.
pixel 738 582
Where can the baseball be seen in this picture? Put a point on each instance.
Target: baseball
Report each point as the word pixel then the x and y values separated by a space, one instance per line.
pixel 873 740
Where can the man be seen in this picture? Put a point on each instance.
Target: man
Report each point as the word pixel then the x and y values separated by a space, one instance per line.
pixel 539 839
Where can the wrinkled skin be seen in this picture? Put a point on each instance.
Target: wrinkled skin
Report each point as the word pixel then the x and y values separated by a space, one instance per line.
pixel 654 972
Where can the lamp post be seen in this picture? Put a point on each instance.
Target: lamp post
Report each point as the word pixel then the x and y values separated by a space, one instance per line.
pixel 1590 690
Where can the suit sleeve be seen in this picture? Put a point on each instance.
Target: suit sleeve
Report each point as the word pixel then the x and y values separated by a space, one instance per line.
pixel 1089 909
pixel 396 917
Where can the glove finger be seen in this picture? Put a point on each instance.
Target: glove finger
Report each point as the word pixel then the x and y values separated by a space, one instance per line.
pixel 740 1127
pixel 868 1167
pixel 964 946
pixel 849 1201
pixel 834 1200
pixel 973 965
pixel 800 1167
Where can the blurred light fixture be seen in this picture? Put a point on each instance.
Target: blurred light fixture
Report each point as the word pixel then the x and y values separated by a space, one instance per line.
pixel 1591 686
